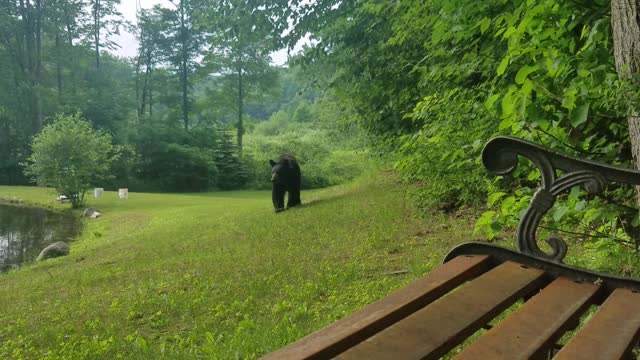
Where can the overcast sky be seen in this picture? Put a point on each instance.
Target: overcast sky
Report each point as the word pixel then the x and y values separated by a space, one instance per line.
pixel 129 44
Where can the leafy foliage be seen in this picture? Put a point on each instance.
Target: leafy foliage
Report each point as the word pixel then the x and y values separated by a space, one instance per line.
pixel 433 81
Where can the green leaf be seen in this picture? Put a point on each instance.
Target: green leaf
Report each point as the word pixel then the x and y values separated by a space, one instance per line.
pixel 484 24
pixel 523 72
pixel 505 124
pixel 559 212
pixel 579 115
pixel 503 65
pixel 508 103
pixel 491 100
pixel 491 200
pixel 569 99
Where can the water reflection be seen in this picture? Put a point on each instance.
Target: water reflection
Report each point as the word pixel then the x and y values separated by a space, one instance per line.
pixel 24 232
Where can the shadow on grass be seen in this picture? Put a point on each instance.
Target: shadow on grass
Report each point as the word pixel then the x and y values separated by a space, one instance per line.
pixel 314 201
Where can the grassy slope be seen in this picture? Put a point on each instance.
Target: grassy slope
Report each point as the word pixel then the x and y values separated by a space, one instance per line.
pixel 215 275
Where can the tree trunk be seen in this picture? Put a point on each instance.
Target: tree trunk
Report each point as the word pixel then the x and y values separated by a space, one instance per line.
pixel 240 105
pixel 151 90
pixel 138 99
pixel 184 70
pixel 58 67
pixel 626 48
pixel 38 66
pixel 96 31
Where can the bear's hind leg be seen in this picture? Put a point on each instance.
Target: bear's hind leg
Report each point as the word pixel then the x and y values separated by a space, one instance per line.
pixel 294 198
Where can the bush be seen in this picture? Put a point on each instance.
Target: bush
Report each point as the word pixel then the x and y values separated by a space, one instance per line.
pixel 70 156
pixel 321 167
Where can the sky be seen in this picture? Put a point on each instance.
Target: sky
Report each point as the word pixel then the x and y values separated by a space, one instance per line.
pixel 129 44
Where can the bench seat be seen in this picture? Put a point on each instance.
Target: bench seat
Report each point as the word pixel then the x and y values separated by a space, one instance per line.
pixel 478 282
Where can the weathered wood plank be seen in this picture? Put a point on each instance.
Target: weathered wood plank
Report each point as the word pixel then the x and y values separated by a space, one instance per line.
pixel 612 331
pixel 434 330
pixel 344 333
pixel 532 329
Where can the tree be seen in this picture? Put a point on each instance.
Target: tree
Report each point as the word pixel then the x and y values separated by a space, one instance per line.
pixel 70 156
pixel 181 44
pixel 106 21
pixel 150 38
pixel 626 44
pixel 243 37
pixel 232 173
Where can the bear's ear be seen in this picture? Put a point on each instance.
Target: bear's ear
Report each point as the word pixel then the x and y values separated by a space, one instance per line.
pixel 273 163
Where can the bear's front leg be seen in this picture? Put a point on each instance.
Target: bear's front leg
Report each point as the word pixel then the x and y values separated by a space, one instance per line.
pixel 277 196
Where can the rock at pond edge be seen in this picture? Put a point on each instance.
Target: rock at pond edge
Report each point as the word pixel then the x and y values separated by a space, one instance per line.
pixel 92 213
pixel 56 249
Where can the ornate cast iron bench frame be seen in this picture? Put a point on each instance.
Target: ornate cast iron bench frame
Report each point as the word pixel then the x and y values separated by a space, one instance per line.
pixel 478 281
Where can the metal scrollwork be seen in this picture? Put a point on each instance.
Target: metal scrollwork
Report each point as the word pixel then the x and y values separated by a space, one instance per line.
pixel 500 156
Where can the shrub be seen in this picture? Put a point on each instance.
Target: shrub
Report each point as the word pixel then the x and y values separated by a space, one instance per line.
pixel 70 156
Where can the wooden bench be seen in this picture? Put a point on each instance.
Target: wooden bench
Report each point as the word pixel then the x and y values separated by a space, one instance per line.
pixel 540 298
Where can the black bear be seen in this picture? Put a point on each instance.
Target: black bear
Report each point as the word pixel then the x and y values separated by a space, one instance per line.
pixel 285 177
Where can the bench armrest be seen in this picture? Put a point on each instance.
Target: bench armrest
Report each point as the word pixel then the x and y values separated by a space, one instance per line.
pixel 500 157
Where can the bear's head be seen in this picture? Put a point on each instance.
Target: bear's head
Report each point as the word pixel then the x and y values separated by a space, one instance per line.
pixel 276 171
pixel 284 170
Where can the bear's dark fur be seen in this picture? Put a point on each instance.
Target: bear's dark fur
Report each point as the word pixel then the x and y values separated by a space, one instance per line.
pixel 285 177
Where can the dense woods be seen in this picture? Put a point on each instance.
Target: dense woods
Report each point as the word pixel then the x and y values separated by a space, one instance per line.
pixel 180 111
pixel 422 84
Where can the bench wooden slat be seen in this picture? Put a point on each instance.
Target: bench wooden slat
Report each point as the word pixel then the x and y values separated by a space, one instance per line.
pixel 344 333
pixel 533 328
pixel 612 331
pixel 434 330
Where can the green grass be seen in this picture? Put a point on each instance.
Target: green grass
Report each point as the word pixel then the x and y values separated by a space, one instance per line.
pixel 215 275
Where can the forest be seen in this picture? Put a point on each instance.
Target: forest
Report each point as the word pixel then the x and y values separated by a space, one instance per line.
pixel 200 107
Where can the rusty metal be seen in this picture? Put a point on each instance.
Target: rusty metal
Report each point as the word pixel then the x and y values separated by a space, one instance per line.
pixel 532 330
pixel 500 156
pixel 432 331
pixel 347 332
pixel 612 331
pixel 551 268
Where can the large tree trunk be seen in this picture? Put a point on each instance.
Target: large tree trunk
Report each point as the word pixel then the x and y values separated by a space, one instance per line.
pixel 625 28
pixel 626 46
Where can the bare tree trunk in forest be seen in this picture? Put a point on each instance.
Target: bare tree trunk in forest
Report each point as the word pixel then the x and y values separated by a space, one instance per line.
pixel 96 31
pixel 626 47
pixel 58 67
pixel 184 70
pixel 38 65
pixel 240 104
pixel 150 90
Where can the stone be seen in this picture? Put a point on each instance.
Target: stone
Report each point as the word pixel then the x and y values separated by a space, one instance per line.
pixel 92 213
pixel 56 249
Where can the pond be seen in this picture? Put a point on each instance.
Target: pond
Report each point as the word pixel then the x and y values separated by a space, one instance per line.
pixel 25 231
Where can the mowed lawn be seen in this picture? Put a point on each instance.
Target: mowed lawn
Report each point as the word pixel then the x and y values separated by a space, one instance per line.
pixel 216 275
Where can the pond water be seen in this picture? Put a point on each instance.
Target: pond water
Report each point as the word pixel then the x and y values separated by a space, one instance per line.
pixel 25 231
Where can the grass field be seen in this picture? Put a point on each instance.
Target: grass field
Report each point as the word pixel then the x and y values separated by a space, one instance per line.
pixel 215 275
